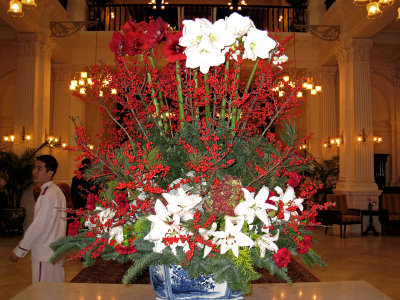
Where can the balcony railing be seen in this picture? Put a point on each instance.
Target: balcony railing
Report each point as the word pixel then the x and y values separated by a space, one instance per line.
pixel 273 18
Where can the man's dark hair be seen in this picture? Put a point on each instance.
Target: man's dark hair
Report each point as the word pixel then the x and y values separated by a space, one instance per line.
pixel 50 162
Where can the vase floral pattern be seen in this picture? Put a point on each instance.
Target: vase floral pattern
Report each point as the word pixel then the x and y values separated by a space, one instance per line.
pixel 174 283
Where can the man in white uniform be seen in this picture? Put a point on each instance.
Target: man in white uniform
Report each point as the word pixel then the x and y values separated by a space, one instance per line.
pixel 48 225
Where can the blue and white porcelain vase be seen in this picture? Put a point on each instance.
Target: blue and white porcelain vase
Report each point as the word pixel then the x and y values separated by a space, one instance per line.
pixel 174 283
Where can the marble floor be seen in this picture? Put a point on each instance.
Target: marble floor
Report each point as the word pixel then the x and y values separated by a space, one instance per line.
pixel 373 259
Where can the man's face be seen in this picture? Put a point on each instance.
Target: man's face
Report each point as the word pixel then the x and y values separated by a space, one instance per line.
pixel 39 173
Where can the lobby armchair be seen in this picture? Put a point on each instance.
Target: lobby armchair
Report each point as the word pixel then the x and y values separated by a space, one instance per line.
pixel 340 214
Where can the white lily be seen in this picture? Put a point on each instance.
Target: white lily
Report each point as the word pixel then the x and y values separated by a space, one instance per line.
pixel 105 215
pixel 204 56
pixel 266 242
pixel 255 206
pixel 279 60
pixel 233 237
pixel 164 225
pixel 206 234
pixel 181 204
pixel 117 233
pixel 289 201
pixel 238 25
pixel 257 43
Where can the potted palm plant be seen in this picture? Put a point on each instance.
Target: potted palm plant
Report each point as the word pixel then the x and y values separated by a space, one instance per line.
pixel 16 177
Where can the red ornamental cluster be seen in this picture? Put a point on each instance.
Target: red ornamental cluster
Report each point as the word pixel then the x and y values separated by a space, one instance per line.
pixel 91 201
pixel 126 250
pixel 282 257
pixel 122 201
pixel 73 228
pixel 304 244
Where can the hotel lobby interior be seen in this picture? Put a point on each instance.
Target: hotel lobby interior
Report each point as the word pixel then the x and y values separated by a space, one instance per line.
pixel 355 58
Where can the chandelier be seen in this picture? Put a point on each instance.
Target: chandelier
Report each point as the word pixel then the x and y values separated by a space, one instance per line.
pixel 155 3
pixel 15 7
pixel 239 4
pixel 375 7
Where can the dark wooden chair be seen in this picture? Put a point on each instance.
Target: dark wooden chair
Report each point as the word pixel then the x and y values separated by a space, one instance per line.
pixel 340 214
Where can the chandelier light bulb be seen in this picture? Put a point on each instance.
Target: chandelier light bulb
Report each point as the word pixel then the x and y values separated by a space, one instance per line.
pixel 359 138
pixel 309 86
pixel 114 91
pixel 28 137
pixel 360 2
pixel 81 82
pixel 373 10
pixel 286 78
pixel 90 81
pixel 318 88
pixel 398 15
pixel 304 85
pixel 15 9
pixel 82 91
pixel 83 74
pixel 281 93
pixel 74 82
pixel 299 94
pixel 64 145
pixel 29 3
pixel 313 92
pixel 385 3
pixel 72 87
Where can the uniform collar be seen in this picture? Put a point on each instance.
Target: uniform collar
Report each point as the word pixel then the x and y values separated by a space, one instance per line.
pixel 46 185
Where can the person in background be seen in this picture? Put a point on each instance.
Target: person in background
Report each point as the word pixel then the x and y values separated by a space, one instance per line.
pixel 81 187
pixel 48 225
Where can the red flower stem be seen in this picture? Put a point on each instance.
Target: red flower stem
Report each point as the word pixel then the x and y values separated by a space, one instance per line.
pixel 196 85
pixel 207 88
pixel 223 103
pixel 180 96
pixel 154 94
pixel 253 71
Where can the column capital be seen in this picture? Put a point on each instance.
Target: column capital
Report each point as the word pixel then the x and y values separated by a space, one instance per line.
pixel 356 50
pixel 28 44
pixel 62 72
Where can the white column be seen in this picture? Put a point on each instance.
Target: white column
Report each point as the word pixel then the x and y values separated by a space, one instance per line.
pixel 315 10
pixel 356 178
pixel 328 110
pixel 32 103
pixel 77 10
pixel 396 132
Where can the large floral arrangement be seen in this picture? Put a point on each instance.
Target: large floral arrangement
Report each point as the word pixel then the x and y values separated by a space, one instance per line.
pixel 198 159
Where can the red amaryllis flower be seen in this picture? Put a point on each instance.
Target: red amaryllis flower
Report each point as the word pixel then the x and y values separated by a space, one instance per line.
pixel 117 43
pixel 126 250
pixel 282 257
pixel 122 201
pixel 304 245
pixel 91 201
pixel 294 179
pixel 134 43
pixel 73 228
pixel 156 32
pixel 171 49
pixel 132 26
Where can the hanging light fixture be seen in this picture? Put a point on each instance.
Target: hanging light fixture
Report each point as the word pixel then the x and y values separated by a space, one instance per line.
pixel 373 10
pixel 29 3
pixel 15 9
pixel 360 2
pixel 398 15
pixel 385 3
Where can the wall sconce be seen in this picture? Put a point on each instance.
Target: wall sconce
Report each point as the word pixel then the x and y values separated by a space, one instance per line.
pixel 377 139
pixel 24 136
pixel 362 137
pixel 334 141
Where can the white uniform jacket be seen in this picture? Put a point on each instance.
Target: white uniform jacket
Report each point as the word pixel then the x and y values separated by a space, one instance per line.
pixel 49 224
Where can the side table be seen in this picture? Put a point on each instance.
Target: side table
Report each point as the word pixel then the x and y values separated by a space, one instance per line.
pixel 371 227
